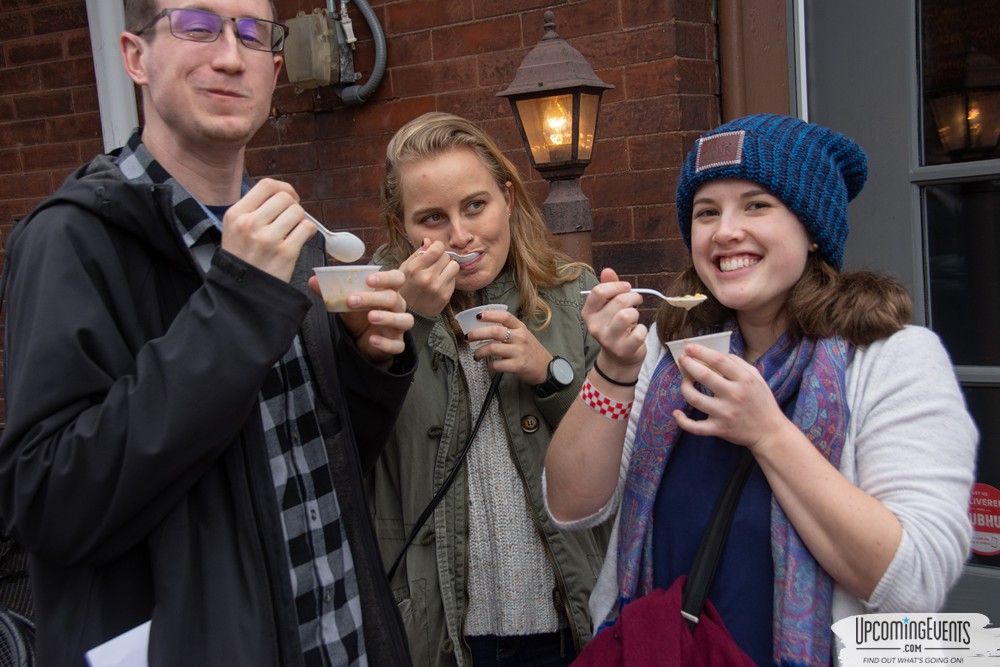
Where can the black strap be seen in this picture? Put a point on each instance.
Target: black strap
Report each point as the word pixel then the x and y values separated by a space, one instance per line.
pixel 706 560
pixel 439 496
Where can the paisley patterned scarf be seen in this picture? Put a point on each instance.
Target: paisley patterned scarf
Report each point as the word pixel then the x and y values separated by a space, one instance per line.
pixel 811 372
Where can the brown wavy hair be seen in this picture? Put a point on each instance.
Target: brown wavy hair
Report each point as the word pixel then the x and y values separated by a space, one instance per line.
pixel 533 259
pixel 860 306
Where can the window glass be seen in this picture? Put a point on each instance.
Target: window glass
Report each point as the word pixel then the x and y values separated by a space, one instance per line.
pixel 982 403
pixel 960 81
pixel 963 245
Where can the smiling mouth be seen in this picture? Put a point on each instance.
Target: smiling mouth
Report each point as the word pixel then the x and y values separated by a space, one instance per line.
pixel 727 264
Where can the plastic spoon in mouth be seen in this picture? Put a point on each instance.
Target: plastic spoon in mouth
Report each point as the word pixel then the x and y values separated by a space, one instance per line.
pixel 342 246
pixel 461 259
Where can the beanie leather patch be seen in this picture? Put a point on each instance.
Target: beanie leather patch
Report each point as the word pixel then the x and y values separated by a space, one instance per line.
pixel 720 150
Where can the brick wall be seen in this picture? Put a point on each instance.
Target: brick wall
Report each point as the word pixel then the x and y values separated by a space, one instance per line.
pixel 447 55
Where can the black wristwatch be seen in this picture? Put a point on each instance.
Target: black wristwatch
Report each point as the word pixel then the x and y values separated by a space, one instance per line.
pixel 560 376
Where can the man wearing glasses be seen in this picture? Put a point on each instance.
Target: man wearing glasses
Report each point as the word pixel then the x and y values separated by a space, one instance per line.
pixel 187 427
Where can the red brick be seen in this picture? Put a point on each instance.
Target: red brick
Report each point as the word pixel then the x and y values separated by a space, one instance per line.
pixel 412 15
pixel 655 150
pixel 610 156
pixel 634 188
pixel 66 73
pixel 409 49
pixel 697 11
pixel 325 185
pixel 25 185
pixel 14 25
pixel 57 18
pixel 653 79
pixel 23 133
pixel 6 110
pixel 77 126
pixel 499 69
pixel 699 112
pixel 35 50
pixel 391 115
pixel 629 48
pixel 640 13
pixel 351 152
pixel 283 160
pixel 695 40
pixel 572 23
pixel 637 117
pixel 85 99
pixel 43 105
pixel 481 37
pixel 19 79
pixel 475 104
pixel 655 222
pixel 78 44
pixel 698 77
pixel 50 156
pixel 10 161
pixel 488 8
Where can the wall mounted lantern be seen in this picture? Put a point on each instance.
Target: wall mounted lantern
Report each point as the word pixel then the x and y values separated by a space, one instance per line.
pixel 968 116
pixel 555 97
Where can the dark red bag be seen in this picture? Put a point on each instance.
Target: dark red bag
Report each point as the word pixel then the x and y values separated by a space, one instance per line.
pixel 651 631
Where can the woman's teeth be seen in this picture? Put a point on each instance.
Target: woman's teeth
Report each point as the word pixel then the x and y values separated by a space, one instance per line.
pixel 734 263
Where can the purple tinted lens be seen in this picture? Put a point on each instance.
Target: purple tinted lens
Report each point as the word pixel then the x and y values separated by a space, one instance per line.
pixel 195 24
pixel 254 33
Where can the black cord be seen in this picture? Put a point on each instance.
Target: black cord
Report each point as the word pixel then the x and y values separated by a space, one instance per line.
pixel 439 496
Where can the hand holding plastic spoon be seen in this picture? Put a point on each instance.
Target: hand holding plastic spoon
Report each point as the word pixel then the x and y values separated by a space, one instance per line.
pixel 342 246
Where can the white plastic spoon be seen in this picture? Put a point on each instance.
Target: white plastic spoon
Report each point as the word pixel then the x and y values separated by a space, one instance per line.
pixel 461 259
pixel 342 246
pixel 686 302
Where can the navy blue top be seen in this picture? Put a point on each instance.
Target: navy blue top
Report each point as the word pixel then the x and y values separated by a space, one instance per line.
pixel 743 588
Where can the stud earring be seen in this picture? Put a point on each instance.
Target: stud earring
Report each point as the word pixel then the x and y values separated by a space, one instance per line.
pixel 813 247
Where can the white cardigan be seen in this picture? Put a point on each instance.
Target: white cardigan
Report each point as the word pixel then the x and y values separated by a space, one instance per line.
pixel 910 443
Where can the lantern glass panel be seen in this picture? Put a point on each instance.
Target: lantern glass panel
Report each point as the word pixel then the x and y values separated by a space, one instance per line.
pixel 548 126
pixel 588 123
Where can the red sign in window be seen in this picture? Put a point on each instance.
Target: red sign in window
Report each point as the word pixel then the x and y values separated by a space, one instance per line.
pixel 984 512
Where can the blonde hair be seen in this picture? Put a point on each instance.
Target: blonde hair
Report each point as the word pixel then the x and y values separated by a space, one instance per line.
pixel 533 259
pixel 860 306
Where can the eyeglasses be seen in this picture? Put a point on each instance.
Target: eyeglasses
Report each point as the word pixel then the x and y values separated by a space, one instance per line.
pixel 197 25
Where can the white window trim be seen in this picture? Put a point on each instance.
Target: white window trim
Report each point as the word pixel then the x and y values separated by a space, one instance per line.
pixel 115 90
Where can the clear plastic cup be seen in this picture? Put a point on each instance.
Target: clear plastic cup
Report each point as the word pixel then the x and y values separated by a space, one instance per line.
pixel 716 341
pixel 467 320
pixel 336 283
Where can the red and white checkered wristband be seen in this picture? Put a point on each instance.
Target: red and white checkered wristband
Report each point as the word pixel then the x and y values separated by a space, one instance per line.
pixel 604 405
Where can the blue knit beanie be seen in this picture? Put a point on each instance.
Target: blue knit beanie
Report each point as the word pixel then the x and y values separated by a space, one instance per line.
pixel 814 171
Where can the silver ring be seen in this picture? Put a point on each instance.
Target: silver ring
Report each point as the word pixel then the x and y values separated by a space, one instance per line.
pixel 506 339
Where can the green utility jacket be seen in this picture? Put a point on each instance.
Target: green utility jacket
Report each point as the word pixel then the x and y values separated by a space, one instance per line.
pixel 430 583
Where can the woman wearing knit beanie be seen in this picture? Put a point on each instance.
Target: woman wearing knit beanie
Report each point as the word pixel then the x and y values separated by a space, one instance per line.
pixel 864 451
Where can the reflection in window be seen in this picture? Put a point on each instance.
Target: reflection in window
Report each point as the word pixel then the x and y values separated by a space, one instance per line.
pixel 960 81
pixel 963 244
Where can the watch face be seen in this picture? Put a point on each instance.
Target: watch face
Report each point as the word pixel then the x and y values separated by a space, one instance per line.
pixel 561 371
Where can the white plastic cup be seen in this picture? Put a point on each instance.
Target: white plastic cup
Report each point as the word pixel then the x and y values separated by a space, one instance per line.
pixel 336 283
pixel 467 320
pixel 716 341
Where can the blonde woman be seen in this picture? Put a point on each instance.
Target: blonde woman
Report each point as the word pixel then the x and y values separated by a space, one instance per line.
pixel 488 579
